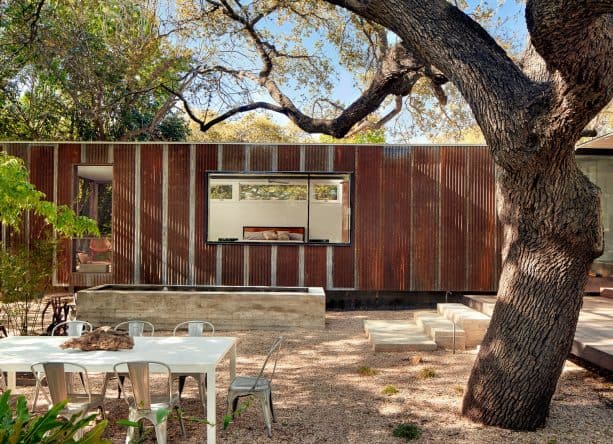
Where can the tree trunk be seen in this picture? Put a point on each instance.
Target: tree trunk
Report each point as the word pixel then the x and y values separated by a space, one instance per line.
pixel 551 217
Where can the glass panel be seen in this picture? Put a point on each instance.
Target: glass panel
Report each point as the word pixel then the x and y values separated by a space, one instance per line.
pixel 273 192
pixel 325 192
pixel 92 255
pixel 221 192
pixel 329 209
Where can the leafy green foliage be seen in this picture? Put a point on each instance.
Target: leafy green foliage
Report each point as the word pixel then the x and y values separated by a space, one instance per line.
pixel 240 409
pixel 18 426
pixel 427 373
pixel 389 390
pixel 18 195
pixel 366 371
pixel 407 431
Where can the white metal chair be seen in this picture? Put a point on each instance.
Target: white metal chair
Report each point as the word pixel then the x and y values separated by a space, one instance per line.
pixel 72 328
pixel 60 379
pixel 194 329
pixel 136 327
pixel 260 387
pixel 69 328
pixel 143 404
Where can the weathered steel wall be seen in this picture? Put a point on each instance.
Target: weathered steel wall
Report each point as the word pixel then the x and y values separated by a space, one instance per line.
pixel 423 217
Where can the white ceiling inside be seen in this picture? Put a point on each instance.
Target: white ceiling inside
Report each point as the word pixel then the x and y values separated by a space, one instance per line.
pixel 97 173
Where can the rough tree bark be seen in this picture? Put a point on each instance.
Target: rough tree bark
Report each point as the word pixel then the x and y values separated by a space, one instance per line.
pixel 549 209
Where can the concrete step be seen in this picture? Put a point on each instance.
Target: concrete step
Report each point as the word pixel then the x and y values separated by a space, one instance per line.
pixel 440 329
pixel 473 323
pixel 397 336
pixel 483 303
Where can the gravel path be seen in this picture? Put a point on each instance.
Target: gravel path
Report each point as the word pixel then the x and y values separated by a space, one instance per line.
pixel 320 396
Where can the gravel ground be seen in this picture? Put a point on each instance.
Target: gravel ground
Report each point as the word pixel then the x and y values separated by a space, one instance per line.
pixel 320 395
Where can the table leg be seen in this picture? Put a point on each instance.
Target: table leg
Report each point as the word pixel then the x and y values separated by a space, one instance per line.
pixel 211 411
pixel 11 380
pixel 232 362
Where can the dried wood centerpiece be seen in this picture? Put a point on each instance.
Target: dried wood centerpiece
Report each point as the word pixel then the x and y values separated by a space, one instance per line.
pixel 102 338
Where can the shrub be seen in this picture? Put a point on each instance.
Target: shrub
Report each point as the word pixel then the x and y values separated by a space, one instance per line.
pixel 407 431
pixel 17 426
pixel 389 390
pixel 427 372
pixel 366 371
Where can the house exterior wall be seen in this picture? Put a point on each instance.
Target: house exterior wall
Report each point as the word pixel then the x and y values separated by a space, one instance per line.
pixel 423 217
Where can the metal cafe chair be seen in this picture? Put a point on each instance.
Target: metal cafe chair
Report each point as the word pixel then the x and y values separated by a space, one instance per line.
pixel 194 329
pixel 144 402
pixel 260 387
pixel 69 328
pixel 59 377
pixel 72 328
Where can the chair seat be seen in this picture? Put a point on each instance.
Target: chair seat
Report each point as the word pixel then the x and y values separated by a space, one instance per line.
pixel 245 384
pixel 81 403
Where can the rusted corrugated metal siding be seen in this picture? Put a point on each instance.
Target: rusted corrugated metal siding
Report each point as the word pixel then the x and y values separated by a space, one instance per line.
pixel 151 214
pixel 124 207
pixel 396 218
pixel 21 235
pixel 96 153
pixel 205 254
pixel 178 214
pixel 69 154
pixel 368 217
pixel 343 258
pixel 41 176
pixel 232 260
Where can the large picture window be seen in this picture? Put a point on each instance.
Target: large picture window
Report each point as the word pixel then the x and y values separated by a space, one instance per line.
pixel 279 207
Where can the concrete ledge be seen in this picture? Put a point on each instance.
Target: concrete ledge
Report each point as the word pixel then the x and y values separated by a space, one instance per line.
pixel 441 330
pixel 471 321
pixel 229 309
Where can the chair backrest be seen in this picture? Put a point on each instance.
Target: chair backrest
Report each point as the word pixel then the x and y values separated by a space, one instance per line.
pixel 72 328
pixel 59 379
pixel 273 355
pixel 194 328
pixel 140 380
pixel 136 327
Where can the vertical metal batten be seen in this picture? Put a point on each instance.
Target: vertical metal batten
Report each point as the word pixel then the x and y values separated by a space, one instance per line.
pixel 246 167
pixel 274 249
pixel 83 153
pixel 301 247
pixel 137 205
pixel 192 216
pixel 329 249
pixel 219 249
pixel 54 279
pixel 164 277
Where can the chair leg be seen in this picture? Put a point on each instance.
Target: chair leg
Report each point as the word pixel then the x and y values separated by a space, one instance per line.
pixel 266 409
pixel 202 391
pixel 161 432
pixel 131 430
pixel 272 410
pixel 232 404
pixel 181 384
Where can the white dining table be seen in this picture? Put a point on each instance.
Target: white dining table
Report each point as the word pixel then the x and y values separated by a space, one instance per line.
pixel 183 354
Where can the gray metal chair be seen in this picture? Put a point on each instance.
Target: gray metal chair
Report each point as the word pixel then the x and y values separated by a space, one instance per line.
pixel 260 387
pixel 69 328
pixel 61 382
pixel 72 328
pixel 136 327
pixel 194 329
pixel 143 404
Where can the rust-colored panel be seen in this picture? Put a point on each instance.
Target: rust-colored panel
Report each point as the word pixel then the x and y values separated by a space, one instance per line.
pixel 453 218
pixel 315 266
pixel 259 265
pixel 481 255
pixel 288 158
pixel 151 214
pixel 260 158
pixel 69 154
pixel 41 176
pixel 316 157
pixel 205 263
pixel 97 153
pixel 90 279
pixel 368 223
pixel 233 158
pixel 287 265
pixel 123 214
pixel 344 158
pixel 178 214
pixel 232 268
pixel 396 231
pixel 343 258
pixel 17 149
pixel 425 179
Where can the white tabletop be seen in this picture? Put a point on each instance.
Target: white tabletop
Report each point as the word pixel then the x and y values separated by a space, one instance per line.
pixel 182 354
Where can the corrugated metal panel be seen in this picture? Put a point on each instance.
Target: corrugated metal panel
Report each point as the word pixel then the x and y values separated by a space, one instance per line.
pixel 288 158
pixel 481 256
pixel 178 214
pixel 260 158
pixel 232 272
pixel 97 153
pixel 151 214
pixel 287 265
pixel 425 179
pixel 344 257
pixel 316 158
pixel 368 213
pixel 233 158
pixel 90 279
pixel 123 214
pixel 18 150
pixel 41 176
pixel 205 266
pixel 315 266
pixel 68 156
pixel 453 218
pixel 396 223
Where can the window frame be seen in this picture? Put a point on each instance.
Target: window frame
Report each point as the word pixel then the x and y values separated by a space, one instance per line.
pixel 309 176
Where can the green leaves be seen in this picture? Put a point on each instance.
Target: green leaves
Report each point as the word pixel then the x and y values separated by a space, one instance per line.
pixel 18 427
